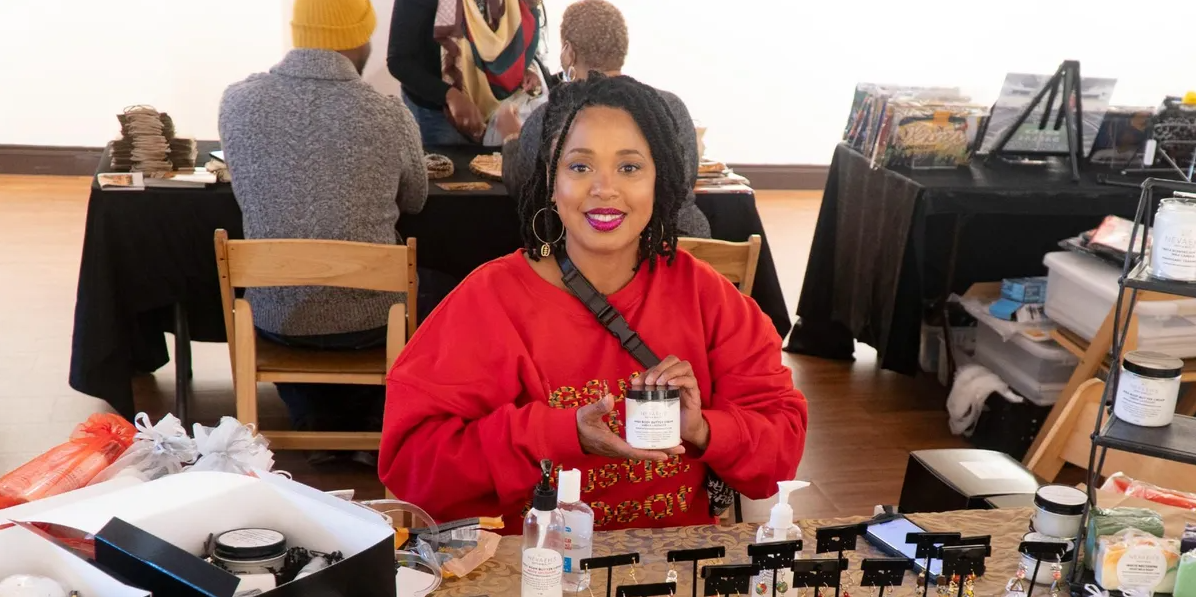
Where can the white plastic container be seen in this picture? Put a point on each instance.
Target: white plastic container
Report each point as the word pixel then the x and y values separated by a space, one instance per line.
pixel 1173 253
pixel 653 417
pixel 1059 511
pixel 579 530
pixel 1045 577
pixel 1148 388
pixel 1038 371
pixel 1082 290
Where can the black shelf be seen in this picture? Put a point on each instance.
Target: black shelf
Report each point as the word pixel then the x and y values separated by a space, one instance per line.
pixel 1176 441
pixel 1140 279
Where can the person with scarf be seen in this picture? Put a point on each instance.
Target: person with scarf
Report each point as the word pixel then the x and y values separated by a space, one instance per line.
pixel 458 59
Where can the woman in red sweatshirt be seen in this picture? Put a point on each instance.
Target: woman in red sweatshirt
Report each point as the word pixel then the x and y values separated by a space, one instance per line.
pixel 512 368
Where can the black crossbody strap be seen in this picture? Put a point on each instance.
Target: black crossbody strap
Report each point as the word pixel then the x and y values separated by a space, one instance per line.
pixel 607 315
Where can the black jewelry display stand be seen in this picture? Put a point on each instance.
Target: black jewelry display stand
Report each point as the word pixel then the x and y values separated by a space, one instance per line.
pixel 1065 83
pixel 884 572
pixel 659 589
pixel 819 573
pixel 694 556
pixel 963 561
pixel 774 556
pixel 838 539
pixel 1041 550
pixel 727 579
pixel 927 548
pixel 610 563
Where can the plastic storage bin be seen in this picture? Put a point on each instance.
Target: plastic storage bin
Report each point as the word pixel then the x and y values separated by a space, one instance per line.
pixel 1082 290
pixel 1038 371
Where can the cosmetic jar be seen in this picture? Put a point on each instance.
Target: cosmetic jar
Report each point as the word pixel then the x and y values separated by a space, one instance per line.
pixel 1148 388
pixel 653 417
pixel 250 551
pixel 1058 510
pixel 1173 245
pixel 1045 574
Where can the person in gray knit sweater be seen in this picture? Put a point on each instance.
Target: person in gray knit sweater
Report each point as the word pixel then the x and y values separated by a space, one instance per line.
pixel 314 152
pixel 594 38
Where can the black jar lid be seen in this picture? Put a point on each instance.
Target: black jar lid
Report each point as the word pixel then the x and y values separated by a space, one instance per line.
pixel 1061 499
pixel 654 393
pixel 250 544
pixel 1152 364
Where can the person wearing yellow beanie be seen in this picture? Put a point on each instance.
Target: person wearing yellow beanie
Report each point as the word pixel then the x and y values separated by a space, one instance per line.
pixel 343 26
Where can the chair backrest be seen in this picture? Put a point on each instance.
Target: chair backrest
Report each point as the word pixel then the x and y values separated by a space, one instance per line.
pixel 300 262
pixel 736 261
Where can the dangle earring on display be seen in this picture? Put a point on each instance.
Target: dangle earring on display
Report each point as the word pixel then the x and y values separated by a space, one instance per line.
pixel 1016 587
pixel 545 246
pixel 1058 585
pixel 671 576
pixel 969 586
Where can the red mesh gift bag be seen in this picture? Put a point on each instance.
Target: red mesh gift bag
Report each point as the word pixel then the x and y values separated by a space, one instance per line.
pixel 94 445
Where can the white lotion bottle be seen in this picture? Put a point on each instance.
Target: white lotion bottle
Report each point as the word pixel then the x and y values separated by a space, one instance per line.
pixel 779 528
pixel 579 530
pixel 543 540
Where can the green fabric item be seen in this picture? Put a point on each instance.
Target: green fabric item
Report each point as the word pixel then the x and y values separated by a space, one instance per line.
pixel 1110 521
pixel 1185 581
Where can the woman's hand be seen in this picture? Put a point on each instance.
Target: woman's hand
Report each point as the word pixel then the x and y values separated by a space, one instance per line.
pixel 464 115
pixel 508 123
pixel 597 438
pixel 531 82
pixel 676 373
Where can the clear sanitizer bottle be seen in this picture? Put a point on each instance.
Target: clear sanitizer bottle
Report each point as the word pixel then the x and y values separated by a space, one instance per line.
pixel 780 528
pixel 579 530
pixel 543 540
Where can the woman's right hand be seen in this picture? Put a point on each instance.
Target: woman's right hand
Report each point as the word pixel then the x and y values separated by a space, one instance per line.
pixel 464 115
pixel 597 438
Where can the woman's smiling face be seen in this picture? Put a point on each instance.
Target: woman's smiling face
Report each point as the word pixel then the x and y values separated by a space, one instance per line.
pixel 605 181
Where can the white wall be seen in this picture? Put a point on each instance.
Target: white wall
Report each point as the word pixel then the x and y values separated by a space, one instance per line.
pixel 772 79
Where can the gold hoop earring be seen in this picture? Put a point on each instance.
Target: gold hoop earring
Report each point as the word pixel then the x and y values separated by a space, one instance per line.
pixel 545 247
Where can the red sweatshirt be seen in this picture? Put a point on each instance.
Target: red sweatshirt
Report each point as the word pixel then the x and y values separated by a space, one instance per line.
pixel 490 383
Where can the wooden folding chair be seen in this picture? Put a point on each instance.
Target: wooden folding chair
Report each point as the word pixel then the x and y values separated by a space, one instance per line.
pixel 736 261
pixel 1045 456
pixel 1073 438
pixel 294 262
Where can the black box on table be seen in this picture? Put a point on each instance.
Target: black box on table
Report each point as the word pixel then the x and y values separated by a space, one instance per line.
pixel 961 479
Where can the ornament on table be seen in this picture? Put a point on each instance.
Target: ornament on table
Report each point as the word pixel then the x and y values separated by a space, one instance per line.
pixel 157 450
pixel 232 448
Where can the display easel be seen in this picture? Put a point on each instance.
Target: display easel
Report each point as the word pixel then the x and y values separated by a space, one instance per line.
pixel 883 573
pixel 659 589
pixel 963 561
pixel 838 539
pixel 927 547
pixel 694 556
pixel 727 579
pixel 1065 84
pixel 819 573
pixel 774 557
pixel 1041 550
pixel 610 563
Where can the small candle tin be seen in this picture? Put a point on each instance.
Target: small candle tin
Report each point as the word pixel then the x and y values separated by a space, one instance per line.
pixel 250 551
pixel 653 417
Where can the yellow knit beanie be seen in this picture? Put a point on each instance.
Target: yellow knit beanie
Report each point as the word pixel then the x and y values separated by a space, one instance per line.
pixel 332 24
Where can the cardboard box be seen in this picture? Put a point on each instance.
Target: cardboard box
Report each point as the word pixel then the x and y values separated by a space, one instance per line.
pixel 961 479
pixel 153 533
pixel 1025 290
pixel 24 552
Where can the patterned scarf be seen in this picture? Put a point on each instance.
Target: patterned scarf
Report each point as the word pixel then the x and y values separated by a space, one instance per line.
pixel 487 47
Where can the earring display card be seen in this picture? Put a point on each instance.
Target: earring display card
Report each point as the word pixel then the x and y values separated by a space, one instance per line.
pixel 774 556
pixel 962 560
pixel 729 579
pixel 818 572
pixel 884 572
pixel 838 539
pixel 648 590
pixel 928 544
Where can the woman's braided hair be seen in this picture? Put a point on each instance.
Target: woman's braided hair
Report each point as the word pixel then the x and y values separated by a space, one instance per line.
pixel 648 109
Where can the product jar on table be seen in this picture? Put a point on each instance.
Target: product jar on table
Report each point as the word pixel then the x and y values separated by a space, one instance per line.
pixel 1148 388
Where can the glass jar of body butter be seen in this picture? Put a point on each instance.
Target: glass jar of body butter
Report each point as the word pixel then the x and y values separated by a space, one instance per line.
pixel 1173 248
pixel 1148 388
pixel 653 417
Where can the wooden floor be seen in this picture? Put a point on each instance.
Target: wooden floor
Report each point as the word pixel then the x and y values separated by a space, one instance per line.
pixel 863 422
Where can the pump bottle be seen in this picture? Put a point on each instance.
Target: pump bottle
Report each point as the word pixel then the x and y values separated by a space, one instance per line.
pixel 543 540
pixel 779 528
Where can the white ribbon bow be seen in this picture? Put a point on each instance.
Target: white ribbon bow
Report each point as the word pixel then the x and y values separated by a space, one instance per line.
pixel 1094 591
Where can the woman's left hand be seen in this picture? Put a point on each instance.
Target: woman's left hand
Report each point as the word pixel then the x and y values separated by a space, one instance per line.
pixel 674 372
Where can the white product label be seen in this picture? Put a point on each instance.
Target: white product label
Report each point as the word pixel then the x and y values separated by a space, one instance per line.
pixel 998 469
pixel 541 572
pixel 762 584
pixel 1063 495
pixel 1173 252
pixel 1143 567
pixel 654 424
pixel 579 531
pixel 1145 401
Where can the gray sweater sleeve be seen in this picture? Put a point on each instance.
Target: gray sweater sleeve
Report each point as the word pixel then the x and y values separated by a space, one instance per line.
pixel 413 180
pixel 519 155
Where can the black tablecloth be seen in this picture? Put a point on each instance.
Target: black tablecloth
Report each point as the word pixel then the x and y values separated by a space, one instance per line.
pixel 144 252
pixel 883 240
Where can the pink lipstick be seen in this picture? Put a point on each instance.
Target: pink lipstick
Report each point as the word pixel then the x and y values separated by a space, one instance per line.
pixel 605 219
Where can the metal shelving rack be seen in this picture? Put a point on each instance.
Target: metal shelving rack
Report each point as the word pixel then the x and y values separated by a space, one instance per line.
pixel 1176 442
